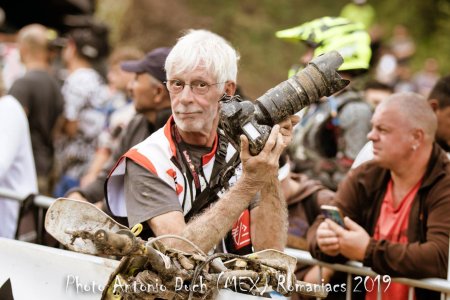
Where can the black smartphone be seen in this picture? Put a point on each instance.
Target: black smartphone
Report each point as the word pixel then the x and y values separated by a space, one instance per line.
pixel 333 213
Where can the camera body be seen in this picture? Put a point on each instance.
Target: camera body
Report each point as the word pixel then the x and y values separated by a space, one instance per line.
pixel 256 119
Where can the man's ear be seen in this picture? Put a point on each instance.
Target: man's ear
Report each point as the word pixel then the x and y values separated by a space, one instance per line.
pixel 159 91
pixel 230 88
pixel 434 104
pixel 418 135
pixel 162 97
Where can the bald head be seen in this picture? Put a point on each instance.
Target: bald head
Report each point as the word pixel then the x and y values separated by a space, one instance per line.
pixel 415 110
pixel 33 39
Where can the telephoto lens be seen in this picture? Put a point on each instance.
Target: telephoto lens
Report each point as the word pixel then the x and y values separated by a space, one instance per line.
pixel 320 78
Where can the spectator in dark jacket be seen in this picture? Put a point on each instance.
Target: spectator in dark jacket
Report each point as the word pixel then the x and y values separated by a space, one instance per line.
pixel 396 206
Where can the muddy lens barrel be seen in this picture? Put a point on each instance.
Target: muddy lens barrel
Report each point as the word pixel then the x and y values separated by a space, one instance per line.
pixel 320 78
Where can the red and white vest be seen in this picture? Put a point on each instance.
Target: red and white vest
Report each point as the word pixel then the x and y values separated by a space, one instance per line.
pixel 155 155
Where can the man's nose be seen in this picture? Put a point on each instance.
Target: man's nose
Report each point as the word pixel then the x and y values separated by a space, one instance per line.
pixel 130 87
pixel 186 95
pixel 371 135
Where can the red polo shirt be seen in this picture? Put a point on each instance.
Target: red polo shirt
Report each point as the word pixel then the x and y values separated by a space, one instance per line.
pixel 392 225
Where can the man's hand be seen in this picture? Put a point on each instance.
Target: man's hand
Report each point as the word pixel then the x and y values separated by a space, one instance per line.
pixel 353 241
pixel 263 166
pixel 87 179
pixel 327 239
pixel 260 169
pixel 286 127
pixel 78 196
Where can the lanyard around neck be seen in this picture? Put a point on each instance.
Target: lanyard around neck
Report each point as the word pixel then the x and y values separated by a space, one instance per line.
pixel 187 158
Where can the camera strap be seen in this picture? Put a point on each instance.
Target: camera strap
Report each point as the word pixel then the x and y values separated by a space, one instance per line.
pixel 221 174
pixel 185 156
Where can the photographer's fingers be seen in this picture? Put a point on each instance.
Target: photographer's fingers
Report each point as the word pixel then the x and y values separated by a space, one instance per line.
pixel 279 147
pixel 286 124
pixel 287 128
pixel 289 123
pixel 272 140
pixel 245 151
pixel 295 119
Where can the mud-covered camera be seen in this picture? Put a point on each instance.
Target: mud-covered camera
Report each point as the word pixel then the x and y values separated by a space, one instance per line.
pixel 256 119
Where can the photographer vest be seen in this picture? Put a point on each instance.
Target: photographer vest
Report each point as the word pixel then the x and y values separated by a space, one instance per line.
pixel 163 155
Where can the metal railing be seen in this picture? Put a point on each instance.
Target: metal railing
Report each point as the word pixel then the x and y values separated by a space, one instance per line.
pixel 304 257
pixel 356 268
pixel 39 201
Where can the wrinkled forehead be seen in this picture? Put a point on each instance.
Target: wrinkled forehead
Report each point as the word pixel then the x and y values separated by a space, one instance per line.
pixel 190 73
pixel 192 61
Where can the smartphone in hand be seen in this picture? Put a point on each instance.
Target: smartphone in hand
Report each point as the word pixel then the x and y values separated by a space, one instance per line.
pixel 333 213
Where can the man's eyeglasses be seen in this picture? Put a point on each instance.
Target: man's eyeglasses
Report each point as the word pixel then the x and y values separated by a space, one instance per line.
pixel 198 87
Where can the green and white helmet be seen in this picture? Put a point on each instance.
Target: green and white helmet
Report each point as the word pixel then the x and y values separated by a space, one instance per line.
pixel 326 34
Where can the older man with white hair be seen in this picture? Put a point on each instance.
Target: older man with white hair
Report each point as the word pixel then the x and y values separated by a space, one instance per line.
pixel 168 183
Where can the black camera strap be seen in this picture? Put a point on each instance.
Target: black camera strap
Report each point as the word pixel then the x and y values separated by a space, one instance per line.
pixel 221 174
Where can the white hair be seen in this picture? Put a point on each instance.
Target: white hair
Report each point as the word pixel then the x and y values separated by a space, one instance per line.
pixel 202 48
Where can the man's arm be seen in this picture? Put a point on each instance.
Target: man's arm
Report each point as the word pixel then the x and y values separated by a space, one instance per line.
pixel 322 240
pixel 269 220
pixel 207 229
pixel 94 192
pixel 418 260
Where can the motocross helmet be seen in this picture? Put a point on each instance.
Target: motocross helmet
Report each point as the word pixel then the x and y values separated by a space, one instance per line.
pixel 326 34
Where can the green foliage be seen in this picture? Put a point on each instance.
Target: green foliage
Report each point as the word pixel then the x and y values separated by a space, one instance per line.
pixel 111 12
pixel 250 26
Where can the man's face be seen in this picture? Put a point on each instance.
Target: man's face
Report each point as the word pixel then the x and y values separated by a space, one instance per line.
pixel 374 96
pixel 391 135
pixel 443 118
pixel 143 91
pixel 118 78
pixel 193 112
